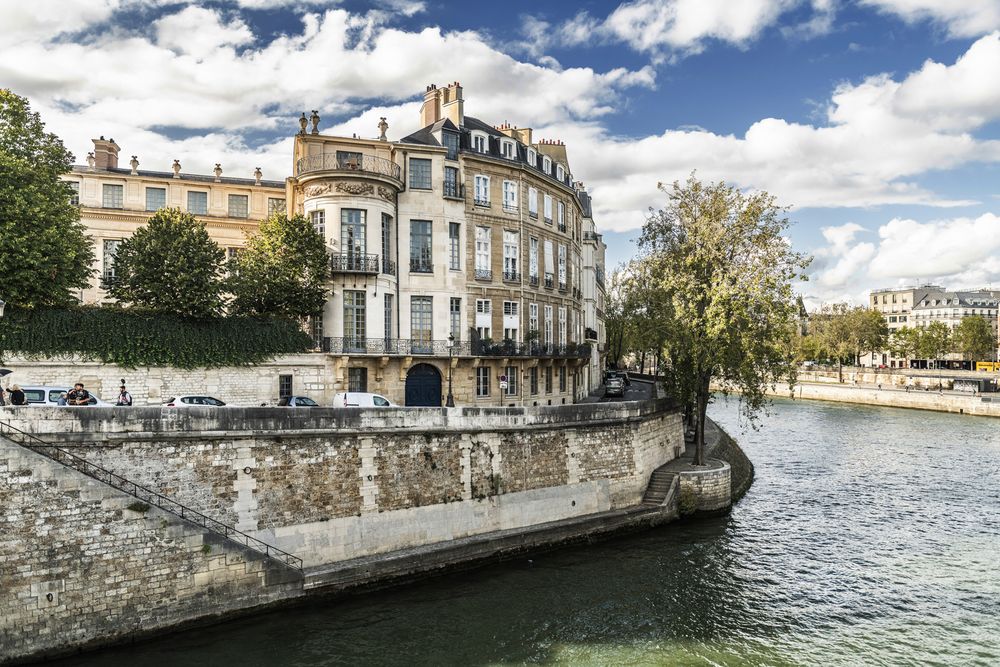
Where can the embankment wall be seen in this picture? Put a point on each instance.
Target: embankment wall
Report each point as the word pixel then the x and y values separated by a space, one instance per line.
pixel 988 405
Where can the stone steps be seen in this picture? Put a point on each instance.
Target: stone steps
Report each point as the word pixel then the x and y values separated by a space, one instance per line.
pixel 661 484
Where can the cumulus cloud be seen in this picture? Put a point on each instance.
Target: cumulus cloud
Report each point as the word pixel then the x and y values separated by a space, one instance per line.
pixel 961 18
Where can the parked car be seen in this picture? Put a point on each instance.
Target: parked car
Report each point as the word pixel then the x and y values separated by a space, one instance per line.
pixel 297 402
pixel 358 399
pixel 49 396
pixel 192 400
pixel 614 385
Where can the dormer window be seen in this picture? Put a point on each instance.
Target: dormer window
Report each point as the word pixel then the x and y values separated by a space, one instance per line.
pixel 532 158
pixel 547 165
pixel 507 149
pixel 480 142
pixel 560 172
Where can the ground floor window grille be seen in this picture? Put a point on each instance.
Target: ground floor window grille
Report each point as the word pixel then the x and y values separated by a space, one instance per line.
pixel 357 379
pixel 284 386
pixel 482 381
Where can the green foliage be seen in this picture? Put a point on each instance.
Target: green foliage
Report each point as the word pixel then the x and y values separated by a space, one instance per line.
pixel 935 341
pixel 904 342
pixel 716 277
pixel 132 338
pixel 170 265
pixel 975 339
pixel 848 332
pixel 282 271
pixel 44 253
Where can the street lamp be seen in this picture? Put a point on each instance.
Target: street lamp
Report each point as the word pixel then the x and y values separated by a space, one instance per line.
pixel 3 305
pixel 450 402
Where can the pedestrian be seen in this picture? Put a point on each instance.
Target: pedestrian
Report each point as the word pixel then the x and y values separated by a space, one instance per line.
pixel 124 398
pixel 880 386
pixel 79 395
pixel 62 402
pixel 16 396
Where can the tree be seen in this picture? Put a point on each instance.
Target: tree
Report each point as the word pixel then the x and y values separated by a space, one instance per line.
pixel 282 271
pixel 904 342
pixel 44 253
pixel 170 266
pixel 719 271
pixel 871 333
pixel 975 339
pixel 833 329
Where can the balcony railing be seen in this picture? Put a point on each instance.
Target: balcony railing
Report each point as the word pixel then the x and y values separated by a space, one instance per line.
pixel 365 164
pixel 421 266
pixel 562 227
pixel 388 267
pixel 108 280
pixel 549 280
pixel 512 276
pixel 454 190
pixel 590 334
pixel 479 201
pixel 591 236
pixel 533 281
pixel 352 263
pixel 440 348
pixel 563 287
pixel 484 274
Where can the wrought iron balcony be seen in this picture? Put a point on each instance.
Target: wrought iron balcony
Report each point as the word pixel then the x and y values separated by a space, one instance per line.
pixel 440 348
pixel 590 334
pixel 533 281
pixel 484 274
pixel 549 280
pixel 479 201
pixel 354 263
pixel 591 236
pixel 364 164
pixel 388 267
pixel 563 287
pixel 108 280
pixel 562 227
pixel 421 266
pixel 512 276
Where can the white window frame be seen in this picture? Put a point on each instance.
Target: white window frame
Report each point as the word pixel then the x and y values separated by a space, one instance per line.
pixel 562 265
pixel 532 158
pixel 318 220
pixel 532 317
pixel 533 257
pixel 562 326
pixel 510 196
pixel 511 372
pixel 508 149
pixel 547 164
pixel 561 215
pixel 511 252
pixel 547 208
pixel 483 381
pixel 482 189
pixel 549 258
pixel 484 243
pixel 547 330
pixel 533 202
pixel 480 142
pixel 560 172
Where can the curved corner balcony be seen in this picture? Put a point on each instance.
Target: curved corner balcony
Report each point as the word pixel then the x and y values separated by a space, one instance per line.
pixel 363 165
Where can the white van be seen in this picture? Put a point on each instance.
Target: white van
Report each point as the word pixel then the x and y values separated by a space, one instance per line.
pixel 49 396
pixel 358 399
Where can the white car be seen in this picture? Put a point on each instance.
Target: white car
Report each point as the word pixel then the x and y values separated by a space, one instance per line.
pixel 49 396
pixel 193 400
pixel 358 399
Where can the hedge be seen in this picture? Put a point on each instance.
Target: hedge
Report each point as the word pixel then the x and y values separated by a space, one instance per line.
pixel 131 338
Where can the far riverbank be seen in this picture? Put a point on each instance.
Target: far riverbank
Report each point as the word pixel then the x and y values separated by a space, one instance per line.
pixel 987 405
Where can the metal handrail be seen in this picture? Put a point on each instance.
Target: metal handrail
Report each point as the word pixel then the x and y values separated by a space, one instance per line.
pixel 125 485
pixel 477 348
pixel 354 263
pixel 364 164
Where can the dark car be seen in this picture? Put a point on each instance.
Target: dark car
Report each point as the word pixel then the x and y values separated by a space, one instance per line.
pixel 614 385
pixel 297 402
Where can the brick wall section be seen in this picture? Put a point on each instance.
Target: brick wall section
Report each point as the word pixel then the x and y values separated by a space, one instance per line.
pixel 78 567
pixel 607 453
pixel 307 479
pixel 532 460
pixel 419 470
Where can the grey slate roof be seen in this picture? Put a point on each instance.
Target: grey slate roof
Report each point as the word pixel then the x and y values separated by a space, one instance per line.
pixel 959 299
pixel 82 169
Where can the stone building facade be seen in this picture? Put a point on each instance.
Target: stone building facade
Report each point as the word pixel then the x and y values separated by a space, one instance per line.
pixel 463 255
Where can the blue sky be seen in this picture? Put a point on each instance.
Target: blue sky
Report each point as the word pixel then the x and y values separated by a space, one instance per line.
pixel 877 121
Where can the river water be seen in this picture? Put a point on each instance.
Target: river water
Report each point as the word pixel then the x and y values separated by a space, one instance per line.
pixel 870 537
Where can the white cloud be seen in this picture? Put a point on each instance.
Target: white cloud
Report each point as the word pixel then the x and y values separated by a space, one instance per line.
pixel 961 18
pixel 198 32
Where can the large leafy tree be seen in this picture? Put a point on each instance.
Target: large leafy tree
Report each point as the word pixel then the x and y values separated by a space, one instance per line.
pixel 975 339
pixel 848 332
pixel 170 265
pixel 719 271
pixel 282 271
pixel 935 341
pixel 904 342
pixel 44 252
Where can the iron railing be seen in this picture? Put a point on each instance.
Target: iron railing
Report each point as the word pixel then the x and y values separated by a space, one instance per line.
pixel 421 266
pixel 512 276
pixel 440 348
pixel 146 495
pixel 365 164
pixel 591 236
pixel 549 279
pixel 484 274
pixel 354 263
pixel 108 280
pixel 533 281
pixel 388 267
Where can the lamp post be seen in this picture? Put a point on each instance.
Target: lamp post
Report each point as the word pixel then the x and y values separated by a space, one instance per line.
pixel 3 304
pixel 450 401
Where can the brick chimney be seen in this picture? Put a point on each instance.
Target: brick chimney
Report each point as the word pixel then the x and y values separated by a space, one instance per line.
pixel 430 112
pixel 452 105
pixel 105 153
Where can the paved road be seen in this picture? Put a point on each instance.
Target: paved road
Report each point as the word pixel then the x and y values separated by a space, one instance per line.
pixel 640 390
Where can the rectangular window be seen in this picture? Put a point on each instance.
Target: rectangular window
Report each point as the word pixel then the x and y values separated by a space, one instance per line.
pixel 450 141
pixel 562 326
pixel 354 320
pixel 479 143
pixel 511 372
pixel 156 198
pixel 482 381
pixel 484 318
pixel 562 267
pixel 547 208
pixel 198 203
pixel 420 173
pixel 547 334
pixel 533 260
pixel 548 379
pixel 454 246
pixel 421 323
pixel 74 198
pixel 549 264
pixel 114 196
pixel 533 379
pixel 420 247
pixel 357 379
pixel 284 386
pixel 318 220
pixel 455 312
pixel 232 253
pixel 483 242
pixel 275 205
pixel 562 379
pixel 507 149
pixel 349 160
pixel 533 202
pixel 451 182
pixel 511 256
pixel 353 234
pixel 239 206
pixel 533 318
pixel 110 250
pixel 482 194
pixel 561 216
pixel 509 196
pixel 316 331
pixel 387 318
pixel 388 265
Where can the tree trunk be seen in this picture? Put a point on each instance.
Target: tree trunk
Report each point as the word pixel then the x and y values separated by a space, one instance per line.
pixel 701 407
pixel 840 370
pixel 642 362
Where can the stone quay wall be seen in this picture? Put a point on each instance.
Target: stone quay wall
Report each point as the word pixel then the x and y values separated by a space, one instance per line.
pixel 328 485
pixel 706 490
pixel 987 405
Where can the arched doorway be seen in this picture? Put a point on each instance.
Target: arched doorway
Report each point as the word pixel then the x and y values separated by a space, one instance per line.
pixel 423 386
